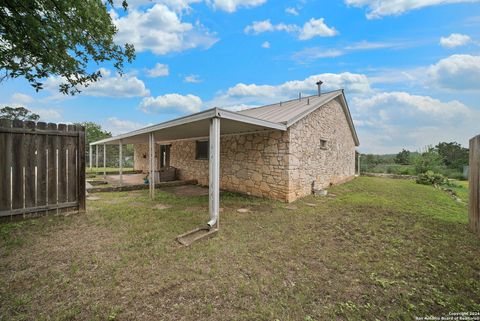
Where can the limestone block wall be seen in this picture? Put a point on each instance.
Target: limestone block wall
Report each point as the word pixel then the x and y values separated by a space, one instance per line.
pixel 309 162
pixel 140 163
pixel 254 164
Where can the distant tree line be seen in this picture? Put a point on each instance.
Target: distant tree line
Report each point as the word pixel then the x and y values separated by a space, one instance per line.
pixel 444 158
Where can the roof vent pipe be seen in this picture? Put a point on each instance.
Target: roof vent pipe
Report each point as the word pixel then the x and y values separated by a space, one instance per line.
pixel 319 85
pixel 299 96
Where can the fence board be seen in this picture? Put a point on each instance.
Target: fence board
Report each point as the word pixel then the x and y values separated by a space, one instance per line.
pixel 81 190
pixel 18 162
pixel 51 150
pixel 41 143
pixel 5 162
pixel 29 148
pixel 62 177
pixel 44 165
pixel 474 186
pixel 72 166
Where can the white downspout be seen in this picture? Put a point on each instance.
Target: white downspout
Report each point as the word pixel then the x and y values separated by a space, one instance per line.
pixel 214 172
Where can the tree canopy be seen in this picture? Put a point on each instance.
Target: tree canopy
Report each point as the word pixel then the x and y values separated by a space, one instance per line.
pixel 41 38
pixel 18 113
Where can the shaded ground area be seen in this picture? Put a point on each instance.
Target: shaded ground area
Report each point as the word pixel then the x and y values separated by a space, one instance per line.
pixel 381 249
pixel 128 179
pixel 186 190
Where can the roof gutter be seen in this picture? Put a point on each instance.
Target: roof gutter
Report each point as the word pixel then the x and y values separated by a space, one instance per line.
pixel 206 114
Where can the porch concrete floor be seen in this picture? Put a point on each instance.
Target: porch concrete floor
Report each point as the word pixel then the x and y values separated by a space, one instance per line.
pixel 128 179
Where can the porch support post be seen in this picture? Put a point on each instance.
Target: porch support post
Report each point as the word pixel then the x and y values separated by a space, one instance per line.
pixel 151 173
pixel 96 158
pixel 358 164
pixel 120 156
pixel 90 156
pixel 104 160
pixel 214 173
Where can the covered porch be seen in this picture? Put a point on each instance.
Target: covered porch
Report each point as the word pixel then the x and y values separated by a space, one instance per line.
pixel 207 126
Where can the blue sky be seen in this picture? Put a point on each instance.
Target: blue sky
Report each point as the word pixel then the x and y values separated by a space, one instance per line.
pixel 410 68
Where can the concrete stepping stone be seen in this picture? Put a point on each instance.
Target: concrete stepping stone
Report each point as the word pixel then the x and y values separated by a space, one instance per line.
pixel 161 207
pixel 93 198
pixel 243 210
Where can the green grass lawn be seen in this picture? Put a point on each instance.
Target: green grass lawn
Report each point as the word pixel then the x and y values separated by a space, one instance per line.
pixel 381 249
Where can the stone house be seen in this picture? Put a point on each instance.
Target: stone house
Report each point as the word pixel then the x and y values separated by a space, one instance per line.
pixel 312 146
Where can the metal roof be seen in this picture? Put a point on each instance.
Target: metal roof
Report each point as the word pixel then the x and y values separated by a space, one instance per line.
pixel 289 112
pixel 285 112
pixel 278 116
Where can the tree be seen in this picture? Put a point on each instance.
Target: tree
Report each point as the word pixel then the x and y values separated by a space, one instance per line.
pixel 453 155
pixel 403 157
pixel 428 161
pixel 40 38
pixel 18 113
pixel 94 132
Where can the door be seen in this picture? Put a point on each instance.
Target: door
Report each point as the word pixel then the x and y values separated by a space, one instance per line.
pixel 164 156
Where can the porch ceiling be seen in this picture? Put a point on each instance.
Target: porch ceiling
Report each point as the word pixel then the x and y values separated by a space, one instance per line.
pixel 195 126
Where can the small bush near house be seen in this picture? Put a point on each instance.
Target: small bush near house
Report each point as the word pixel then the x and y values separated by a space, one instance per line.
pixel 432 178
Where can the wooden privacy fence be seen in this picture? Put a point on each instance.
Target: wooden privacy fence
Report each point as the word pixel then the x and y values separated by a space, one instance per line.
pixel 474 186
pixel 42 168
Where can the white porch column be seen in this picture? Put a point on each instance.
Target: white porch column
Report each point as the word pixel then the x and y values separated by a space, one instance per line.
pixel 120 163
pixel 153 165
pixel 358 164
pixel 104 160
pixel 96 158
pixel 150 165
pixel 90 156
pixel 214 172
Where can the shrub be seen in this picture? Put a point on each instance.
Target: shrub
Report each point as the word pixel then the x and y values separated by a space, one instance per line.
pixel 431 178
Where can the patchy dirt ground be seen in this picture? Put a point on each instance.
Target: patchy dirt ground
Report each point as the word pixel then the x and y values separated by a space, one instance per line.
pixel 381 249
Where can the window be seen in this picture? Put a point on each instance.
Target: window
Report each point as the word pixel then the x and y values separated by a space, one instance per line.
pixel 202 150
pixel 323 144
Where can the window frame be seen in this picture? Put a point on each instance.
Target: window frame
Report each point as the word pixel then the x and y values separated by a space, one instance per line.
pixel 199 157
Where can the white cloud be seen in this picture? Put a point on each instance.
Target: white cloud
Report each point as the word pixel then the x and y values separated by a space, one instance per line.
pixel 171 102
pixel 266 45
pixel 454 40
pixel 380 8
pixel 47 114
pixel 292 11
pixel 250 94
pixel 312 28
pixel 457 72
pixel 316 28
pixel 118 126
pixel 233 5
pixel 160 30
pixel 387 122
pixel 124 86
pixel 21 99
pixel 192 79
pixel 314 53
pixel 258 27
pixel 160 70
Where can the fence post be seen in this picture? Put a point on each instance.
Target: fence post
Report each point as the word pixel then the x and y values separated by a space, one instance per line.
pixel 474 182
pixel 81 169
